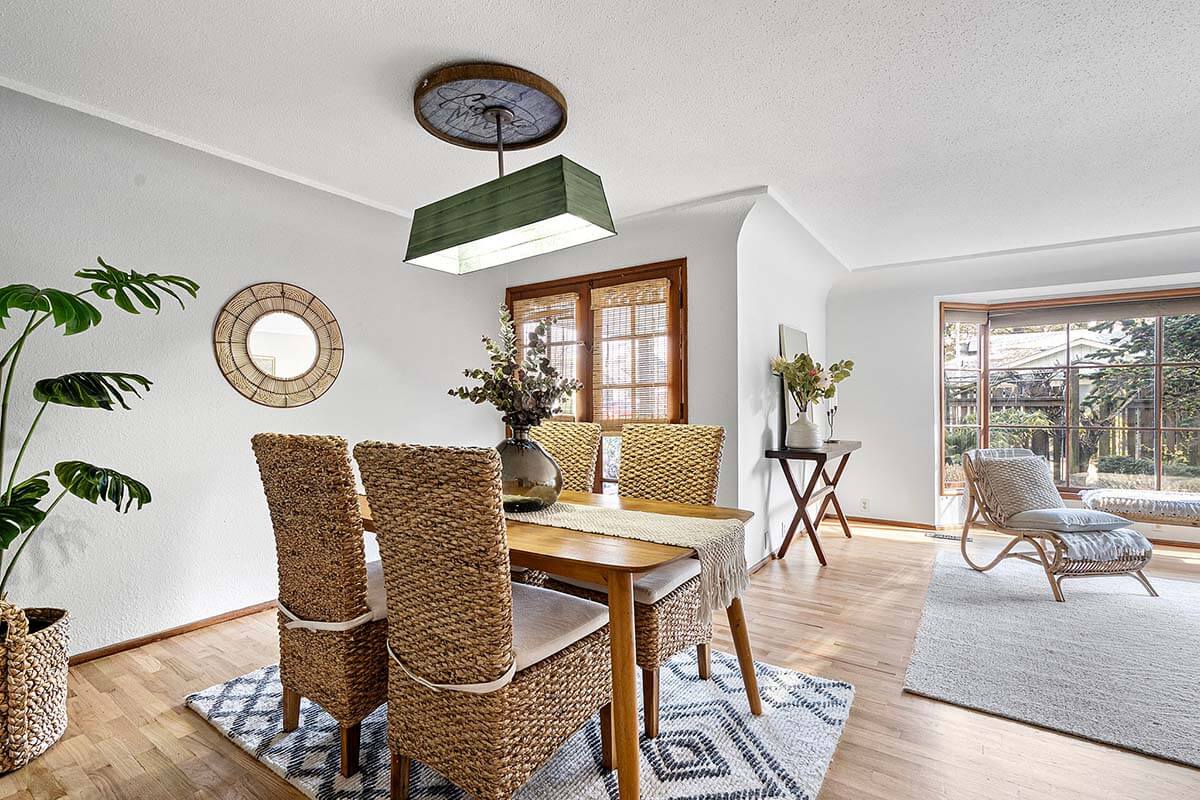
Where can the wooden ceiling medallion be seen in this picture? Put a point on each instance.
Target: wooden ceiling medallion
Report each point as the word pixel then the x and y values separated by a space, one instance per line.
pixel 232 329
pixel 450 103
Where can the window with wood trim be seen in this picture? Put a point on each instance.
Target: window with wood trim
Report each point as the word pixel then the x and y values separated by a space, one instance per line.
pixel 1106 389
pixel 623 334
pixel 558 311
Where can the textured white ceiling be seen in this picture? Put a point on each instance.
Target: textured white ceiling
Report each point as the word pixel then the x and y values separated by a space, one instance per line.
pixel 896 130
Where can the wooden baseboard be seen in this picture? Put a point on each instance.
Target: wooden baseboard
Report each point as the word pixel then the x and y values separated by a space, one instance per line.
pixel 129 644
pixel 897 523
pixel 762 563
pixel 1175 543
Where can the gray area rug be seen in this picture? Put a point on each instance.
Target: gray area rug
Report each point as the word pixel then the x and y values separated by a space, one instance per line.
pixel 1111 664
pixel 709 745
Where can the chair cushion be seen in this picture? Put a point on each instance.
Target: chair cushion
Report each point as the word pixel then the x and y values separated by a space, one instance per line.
pixel 1012 485
pixel 376 593
pixel 1105 545
pixel 650 587
pixel 1067 519
pixel 546 622
pixel 1179 508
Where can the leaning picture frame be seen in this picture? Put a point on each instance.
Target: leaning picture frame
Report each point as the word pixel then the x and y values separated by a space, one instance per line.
pixel 792 342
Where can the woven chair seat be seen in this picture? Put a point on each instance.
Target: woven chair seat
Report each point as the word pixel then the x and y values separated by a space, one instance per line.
pixel 650 587
pixel 547 622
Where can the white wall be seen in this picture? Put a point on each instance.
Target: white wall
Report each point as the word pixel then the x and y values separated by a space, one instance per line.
pixel 76 187
pixel 887 321
pixel 706 236
pixel 784 277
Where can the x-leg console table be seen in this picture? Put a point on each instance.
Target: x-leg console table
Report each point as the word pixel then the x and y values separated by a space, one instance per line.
pixel 822 458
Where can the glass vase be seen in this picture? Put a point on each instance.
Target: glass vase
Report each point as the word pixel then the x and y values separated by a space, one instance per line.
pixel 530 478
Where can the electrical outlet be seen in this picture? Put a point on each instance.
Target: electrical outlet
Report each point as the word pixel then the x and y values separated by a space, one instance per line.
pixel 864 504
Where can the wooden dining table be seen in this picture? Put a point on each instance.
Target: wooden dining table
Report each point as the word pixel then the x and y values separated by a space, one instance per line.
pixel 615 561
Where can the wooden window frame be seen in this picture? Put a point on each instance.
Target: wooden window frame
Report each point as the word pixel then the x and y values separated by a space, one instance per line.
pixel 1157 364
pixel 981 414
pixel 675 271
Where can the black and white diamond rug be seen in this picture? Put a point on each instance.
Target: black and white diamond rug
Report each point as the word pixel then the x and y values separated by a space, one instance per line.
pixel 709 747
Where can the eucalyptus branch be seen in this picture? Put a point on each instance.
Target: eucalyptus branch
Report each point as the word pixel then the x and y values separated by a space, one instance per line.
pixel 526 390
pixel 13 562
pixel 12 478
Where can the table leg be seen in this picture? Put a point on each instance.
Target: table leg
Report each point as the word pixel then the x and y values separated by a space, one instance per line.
pixel 624 706
pixel 741 643
pixel 801 504
pixel 832 496
pixel 841 517
pixel 812 534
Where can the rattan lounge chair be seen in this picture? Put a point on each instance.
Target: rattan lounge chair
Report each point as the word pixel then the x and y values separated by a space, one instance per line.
pixel 487 678
pixel 1061 555
pixel 332 633
pixel 574 445
pixel 674 464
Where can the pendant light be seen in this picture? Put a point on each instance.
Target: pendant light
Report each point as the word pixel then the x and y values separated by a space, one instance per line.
pixel 549 206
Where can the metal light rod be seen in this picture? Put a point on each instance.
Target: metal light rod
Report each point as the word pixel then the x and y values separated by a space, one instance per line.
pixel 499 116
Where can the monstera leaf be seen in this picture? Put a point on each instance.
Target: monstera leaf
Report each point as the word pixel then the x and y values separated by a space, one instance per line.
pixel 89 389
pixel 123 288
pixel 71 313
pixel 20 512
pixel 94 483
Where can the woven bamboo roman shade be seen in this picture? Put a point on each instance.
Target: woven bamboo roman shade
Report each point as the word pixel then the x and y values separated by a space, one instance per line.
pixel 558 312
pixel 631 371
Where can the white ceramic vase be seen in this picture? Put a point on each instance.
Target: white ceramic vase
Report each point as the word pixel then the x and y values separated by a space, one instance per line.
pixel 804 434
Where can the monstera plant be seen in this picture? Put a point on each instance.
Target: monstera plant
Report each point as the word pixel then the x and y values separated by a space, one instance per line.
pixel 23 503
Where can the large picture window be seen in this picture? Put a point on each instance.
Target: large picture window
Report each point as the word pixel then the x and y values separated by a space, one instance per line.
pixel 623 334
pixel 1107 390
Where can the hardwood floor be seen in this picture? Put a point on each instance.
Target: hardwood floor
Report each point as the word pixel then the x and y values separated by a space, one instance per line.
pixel 131 737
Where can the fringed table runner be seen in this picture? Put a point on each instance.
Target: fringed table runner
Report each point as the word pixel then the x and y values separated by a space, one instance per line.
pixel 719 543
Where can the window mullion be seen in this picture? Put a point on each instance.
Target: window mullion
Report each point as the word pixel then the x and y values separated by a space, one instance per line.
pixel 1159 439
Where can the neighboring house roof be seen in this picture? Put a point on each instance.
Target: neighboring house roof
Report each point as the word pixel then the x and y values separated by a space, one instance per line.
pixel 1037 349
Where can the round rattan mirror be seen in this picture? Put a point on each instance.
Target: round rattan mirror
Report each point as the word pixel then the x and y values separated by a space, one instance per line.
pixel 278 344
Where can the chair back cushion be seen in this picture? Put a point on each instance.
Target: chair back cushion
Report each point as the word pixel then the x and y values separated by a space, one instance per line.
pixel 1014 484
pixel 313 502
pixel 671 463
pixel 444 547
pixel 574 446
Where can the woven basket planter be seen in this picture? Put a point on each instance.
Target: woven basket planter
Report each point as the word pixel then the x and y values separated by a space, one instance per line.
pixel 33 682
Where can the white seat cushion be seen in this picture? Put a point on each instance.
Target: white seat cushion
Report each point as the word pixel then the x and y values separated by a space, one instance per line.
pixel 652 586
pixel 546 622
pixel 1066 520
pixel 376 593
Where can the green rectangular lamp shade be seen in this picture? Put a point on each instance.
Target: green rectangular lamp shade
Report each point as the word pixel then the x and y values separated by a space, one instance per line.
pixel 539 209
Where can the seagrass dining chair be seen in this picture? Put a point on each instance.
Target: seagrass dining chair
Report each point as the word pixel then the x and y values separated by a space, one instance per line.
pixel 487 678
pixel 674 464
pixel 1008 489
pixel 331 609
pixel 575 446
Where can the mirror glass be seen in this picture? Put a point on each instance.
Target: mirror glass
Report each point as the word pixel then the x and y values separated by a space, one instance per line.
pixel 792 342
pixel 282 345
